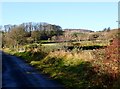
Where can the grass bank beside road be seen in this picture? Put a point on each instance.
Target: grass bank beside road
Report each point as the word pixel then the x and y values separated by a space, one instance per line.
pixel 74 70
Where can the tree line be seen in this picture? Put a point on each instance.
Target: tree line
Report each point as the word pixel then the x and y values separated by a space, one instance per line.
pixel 25 33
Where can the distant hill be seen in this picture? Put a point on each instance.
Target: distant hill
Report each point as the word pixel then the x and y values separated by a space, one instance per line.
pixel 83 34
pixel 78 30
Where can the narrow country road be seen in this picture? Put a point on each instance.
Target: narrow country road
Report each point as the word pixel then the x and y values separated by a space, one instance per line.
pixel 16 73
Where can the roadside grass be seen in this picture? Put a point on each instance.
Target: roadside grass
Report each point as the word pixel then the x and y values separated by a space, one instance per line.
pixel 30 56
pixel 8 50
pixel 70 75
pixel 74 70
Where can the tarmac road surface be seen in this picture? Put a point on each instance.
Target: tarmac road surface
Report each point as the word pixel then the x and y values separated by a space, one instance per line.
pixel 20 75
